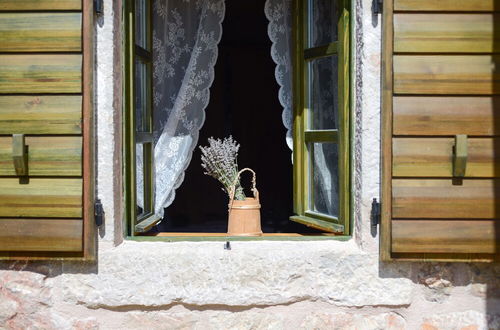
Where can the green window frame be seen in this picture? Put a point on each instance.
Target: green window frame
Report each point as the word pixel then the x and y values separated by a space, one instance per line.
pixel 139 115
pixel 304 135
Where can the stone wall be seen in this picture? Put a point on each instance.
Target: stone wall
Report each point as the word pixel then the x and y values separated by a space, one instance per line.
pixel 255 285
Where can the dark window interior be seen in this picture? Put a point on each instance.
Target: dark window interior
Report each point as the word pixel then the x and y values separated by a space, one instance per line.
pixel 243 103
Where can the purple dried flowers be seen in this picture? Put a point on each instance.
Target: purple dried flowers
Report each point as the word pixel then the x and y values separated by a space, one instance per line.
pixel 219 159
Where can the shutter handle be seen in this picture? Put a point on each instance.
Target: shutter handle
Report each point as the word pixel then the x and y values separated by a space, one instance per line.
pixel 460 155
pixel 20 155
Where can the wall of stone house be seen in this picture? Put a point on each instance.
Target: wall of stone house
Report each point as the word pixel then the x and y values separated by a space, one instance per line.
pixel 255 285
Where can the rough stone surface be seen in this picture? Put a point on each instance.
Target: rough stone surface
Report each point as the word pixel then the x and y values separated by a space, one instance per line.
pixel 352 321
pixel 252 273
pixel 469 320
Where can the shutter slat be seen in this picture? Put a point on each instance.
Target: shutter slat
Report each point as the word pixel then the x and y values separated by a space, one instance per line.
pixel 40 32
pixel 447 5
pixel 21 5
pixel 433 74
pixel 29 74
pixel 445 236
pixel 60 198
pixel 432 157
pixel 444 198
pixel 435 115
pixel 48 156
pixel 41 234
pixel 446 33
pixel 41 114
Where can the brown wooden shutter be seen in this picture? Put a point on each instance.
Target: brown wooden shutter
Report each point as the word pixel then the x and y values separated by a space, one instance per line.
pixel 46 177
pixel 440 105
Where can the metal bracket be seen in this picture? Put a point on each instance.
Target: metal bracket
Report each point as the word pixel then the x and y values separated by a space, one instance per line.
pixel 20 156
pixel 98 213
pixel 98 7
pixel 378 6
pixel 375 213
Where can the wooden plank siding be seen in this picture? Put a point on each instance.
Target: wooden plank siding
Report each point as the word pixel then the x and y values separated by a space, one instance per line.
pixel 432 157
pixel 446 74
pixel 447 5
pixel 41 234
pixel 40 32
pixel 47 156
pixel 446 115
pixel 40 73
pixel 46 75
pixel 44 198
pixel 442 236
pixel 441 79
pixel 45 114
pixel 51 5
pixel 446 33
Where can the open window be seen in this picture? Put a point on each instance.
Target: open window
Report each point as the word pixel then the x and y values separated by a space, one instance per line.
pixel 216 68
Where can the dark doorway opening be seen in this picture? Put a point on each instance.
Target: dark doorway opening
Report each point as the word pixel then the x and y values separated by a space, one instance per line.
pixel 243 103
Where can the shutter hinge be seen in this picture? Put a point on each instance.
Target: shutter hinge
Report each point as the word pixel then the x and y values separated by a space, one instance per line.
pixel 98 213
pixel 98 7
pixel 375 214
pixel 377 6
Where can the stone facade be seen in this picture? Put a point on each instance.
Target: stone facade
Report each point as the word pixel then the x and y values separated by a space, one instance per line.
pixel 257 284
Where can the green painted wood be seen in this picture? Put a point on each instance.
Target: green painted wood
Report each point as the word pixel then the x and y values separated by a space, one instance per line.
pixel 40 32
pixel 48 156
pixel 28 74
pixel 447 5
pixel 21 5
pixel 58 198
pixel 41 235
pixel 40 114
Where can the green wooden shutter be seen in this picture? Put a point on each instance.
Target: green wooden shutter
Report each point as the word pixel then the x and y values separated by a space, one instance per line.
pixel 46 179
pixel 441 110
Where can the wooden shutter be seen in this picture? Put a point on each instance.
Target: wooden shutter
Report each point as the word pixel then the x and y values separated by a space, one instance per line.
pixel 441 109
pixel 46 177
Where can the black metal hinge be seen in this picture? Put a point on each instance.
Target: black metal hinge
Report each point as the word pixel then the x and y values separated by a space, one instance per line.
pixel 98 7
pixel 98 213
pixel 377 6
pixel 375 214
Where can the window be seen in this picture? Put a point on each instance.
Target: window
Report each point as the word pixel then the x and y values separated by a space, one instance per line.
pixel 139 123
pixel 321 151
pixel 321 115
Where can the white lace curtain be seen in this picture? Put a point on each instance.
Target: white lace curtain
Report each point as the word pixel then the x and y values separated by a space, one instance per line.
pixel 185 38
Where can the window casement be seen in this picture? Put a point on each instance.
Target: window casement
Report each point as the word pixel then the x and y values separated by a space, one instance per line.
pixel 139 121
pixel 46 130
pixel 321 115
pixel 440 87
pixel 321 125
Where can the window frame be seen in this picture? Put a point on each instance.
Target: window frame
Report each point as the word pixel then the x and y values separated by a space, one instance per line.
pixel 134 53
pixel 302 135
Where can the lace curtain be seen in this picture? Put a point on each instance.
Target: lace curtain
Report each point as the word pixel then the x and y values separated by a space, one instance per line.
pixel 185 38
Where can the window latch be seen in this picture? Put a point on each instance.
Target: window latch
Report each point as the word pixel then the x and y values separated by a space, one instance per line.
pixel 98 7
pixel 375 213
pixel 377 6
pixel 98 213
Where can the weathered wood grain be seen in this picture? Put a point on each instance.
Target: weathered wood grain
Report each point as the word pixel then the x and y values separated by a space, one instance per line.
pixel 40 5
pixel 40 32
pixel 41 234
pixel 41 114
pixel 432 157
pixel 445 236
pixel 446 33
pixel 434 115
pixel 441 198
pixel 467 74
pixel 447 5
pixel 40 73
pixel 47 156
pixel 61 198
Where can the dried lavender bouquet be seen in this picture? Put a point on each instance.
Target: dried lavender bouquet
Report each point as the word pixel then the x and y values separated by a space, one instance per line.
pixel 219 159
